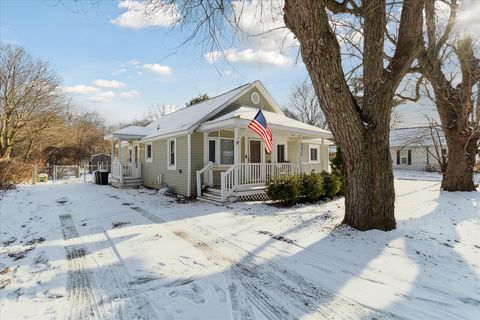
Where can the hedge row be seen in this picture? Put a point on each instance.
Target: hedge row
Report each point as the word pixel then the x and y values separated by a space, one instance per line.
pixel 311 187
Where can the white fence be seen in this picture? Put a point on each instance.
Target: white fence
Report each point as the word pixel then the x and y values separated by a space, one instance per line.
pixel 65 174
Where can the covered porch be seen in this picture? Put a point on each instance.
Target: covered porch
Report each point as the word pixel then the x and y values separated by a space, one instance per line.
pixel 126 170
pixel 236 166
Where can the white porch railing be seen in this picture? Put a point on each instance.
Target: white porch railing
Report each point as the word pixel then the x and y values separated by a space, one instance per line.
pixel 247 175
pixel 260 173
pixel 207 180
pixel 128 170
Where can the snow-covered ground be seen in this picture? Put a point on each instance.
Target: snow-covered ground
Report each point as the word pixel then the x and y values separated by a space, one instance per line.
pixel 80 251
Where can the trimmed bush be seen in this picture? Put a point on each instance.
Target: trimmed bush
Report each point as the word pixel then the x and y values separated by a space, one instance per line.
pixel 331 184
pixel 312 185
pixel 287 190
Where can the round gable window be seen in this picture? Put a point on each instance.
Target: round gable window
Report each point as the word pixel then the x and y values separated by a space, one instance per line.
pixel 255 97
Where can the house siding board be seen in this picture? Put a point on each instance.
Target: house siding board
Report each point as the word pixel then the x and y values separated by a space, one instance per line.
pixel 197 158
pixel 177 179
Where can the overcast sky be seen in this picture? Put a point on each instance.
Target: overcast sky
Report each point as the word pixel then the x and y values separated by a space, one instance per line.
pixel 119 62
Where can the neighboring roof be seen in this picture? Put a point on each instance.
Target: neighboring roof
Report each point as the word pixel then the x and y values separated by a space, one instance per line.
pixel 414 137
pixel 275 121
pixel 185 119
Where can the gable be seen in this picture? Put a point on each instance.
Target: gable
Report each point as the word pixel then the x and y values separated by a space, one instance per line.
pixel 246 101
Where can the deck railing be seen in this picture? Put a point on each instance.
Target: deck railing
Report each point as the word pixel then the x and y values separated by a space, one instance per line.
pixel 207 174
pixel 128 170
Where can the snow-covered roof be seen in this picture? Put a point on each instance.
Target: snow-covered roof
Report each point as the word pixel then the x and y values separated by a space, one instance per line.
pixel 275 121
pixel 186 118
pixel 129 132
pixel 415 137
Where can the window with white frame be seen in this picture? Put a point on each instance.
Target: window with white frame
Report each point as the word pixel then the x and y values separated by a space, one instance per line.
pixel 226 151
pixel 281 153
pixel 172 154
pixel 148 152
pixel 314 154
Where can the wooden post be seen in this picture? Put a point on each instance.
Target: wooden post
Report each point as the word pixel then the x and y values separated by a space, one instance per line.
pixel 236 153
pixel 300 144
pixel 34 174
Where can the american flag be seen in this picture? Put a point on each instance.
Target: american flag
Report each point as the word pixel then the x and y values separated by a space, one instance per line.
pixel 260 126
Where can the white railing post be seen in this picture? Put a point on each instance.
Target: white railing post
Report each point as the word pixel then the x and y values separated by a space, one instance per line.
pixel 223 186
pixel 210 175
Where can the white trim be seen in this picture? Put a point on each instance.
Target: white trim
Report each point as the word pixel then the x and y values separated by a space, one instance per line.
pixel 189 164
pixel 147 159
pixel 316 147
pixel 217 150
pixel 285 156
pixel 174 166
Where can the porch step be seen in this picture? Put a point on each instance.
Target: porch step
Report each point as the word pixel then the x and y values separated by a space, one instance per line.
pixel 127 183
pixel 214 191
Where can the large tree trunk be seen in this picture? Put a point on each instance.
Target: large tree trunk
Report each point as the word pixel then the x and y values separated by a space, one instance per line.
pixel 360 129
pixel 369 190
pixel 462 150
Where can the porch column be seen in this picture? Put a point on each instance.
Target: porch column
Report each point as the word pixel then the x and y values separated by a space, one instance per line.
pixel 236 152
pixel 112 152
pixel 205 148
pixel 119 150
pixel 300 146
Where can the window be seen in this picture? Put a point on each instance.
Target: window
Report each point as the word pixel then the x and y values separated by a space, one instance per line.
pixel 226 151
pixel 171 154
pixel 398 157
pixel 409 157
pixel 136 154
pixel 212 150
pixel 314 153
pixel 130 154
pixel 148 153
pixel 281 153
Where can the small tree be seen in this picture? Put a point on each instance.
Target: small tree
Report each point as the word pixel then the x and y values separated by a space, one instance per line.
pixel 200 98
pixel 304 106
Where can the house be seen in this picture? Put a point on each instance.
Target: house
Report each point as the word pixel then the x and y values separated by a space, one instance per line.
pixel 207 150
pixel 417 148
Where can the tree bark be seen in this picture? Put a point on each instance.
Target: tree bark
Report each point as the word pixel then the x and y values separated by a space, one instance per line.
pixel 369 189
pixel 461 162
pixel 361 131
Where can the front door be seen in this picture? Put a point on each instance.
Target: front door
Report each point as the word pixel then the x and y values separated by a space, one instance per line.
pixel 255 151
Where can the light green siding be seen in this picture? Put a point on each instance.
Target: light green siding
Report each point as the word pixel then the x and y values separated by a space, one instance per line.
pixel 178 178
pixel 197 158
pixel 245 100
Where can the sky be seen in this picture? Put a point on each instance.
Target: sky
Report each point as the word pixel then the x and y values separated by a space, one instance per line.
pixel 117 61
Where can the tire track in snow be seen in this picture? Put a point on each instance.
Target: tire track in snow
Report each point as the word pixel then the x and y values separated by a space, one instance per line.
pixel 81 298
pixel 126 303
pixel 241 309
pixel 118 301
pixel 277 292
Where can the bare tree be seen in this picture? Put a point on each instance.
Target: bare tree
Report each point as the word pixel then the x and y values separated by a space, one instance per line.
pixel 304 106
pixel 360 129
pixel 448 60
pixel 30 97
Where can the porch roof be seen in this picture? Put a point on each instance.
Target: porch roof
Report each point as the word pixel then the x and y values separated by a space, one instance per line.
pixel 277 122
pixel 128 133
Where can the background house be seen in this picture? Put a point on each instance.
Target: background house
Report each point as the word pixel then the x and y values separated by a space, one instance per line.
pixel 207 149
pixel 417 148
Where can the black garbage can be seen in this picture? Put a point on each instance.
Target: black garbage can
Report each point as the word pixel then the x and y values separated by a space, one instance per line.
pixel 104 177
pixel 96 177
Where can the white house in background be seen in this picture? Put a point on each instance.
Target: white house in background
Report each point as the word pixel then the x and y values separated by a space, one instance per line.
pixel 417 148
pixel 207 150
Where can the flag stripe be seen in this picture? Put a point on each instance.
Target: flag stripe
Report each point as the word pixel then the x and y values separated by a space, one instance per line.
pixel 260 126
